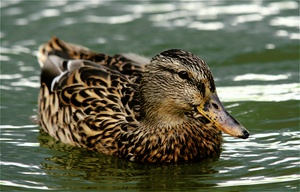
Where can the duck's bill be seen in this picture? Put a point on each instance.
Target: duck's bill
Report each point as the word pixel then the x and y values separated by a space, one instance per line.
pixel 214 111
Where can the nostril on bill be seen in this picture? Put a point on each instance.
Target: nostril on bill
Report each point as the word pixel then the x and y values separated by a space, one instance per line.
pixel 215 106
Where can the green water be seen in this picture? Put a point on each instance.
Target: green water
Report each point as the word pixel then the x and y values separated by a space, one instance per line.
pixel 252 48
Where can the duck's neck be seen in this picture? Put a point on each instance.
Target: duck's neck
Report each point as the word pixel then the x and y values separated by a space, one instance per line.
pixel 178 143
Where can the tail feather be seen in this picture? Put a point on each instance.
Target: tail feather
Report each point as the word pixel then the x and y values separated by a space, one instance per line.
pixel 50 70
pixel 62 49
pixel 56 69
pixel 52 56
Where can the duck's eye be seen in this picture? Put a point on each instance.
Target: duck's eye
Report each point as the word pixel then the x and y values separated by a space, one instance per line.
pixel 183 74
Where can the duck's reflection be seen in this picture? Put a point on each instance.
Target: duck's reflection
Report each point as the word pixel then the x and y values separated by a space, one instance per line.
pixel 89 170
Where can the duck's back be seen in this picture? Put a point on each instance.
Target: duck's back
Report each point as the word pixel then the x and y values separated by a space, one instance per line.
pixel 127 63
pixel 87 97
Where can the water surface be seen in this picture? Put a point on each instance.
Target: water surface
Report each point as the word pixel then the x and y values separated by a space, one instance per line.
pixel 252 48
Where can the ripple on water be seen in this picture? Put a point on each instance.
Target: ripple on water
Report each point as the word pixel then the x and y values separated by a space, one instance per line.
pixel 278 92
pixel 267 157
pixel 29 185
pixel 247 181
pixel 263 166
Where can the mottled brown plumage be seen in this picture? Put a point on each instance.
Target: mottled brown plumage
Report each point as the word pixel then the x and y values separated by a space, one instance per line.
pixel 163 110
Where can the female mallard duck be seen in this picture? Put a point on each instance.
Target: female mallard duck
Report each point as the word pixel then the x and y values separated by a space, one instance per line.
pixel 163 110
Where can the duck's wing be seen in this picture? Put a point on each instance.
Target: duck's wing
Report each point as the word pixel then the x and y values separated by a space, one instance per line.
pixel 86 104
pixel 129 64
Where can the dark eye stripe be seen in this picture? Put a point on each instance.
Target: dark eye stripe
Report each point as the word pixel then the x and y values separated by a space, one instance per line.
pixel 201 88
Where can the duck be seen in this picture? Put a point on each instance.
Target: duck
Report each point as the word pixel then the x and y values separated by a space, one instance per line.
pixel 160 110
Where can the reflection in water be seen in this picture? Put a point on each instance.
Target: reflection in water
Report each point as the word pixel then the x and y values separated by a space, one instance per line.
pixel 233 169
pixel 119 173
pixel 261 180
pixel 266 162
pixel 291 21
pixel 30 185
pixel 261 77
pixel 241 13
pixel 282 92
pixel 111 20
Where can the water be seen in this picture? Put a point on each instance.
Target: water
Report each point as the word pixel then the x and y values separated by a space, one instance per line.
pixel 252 48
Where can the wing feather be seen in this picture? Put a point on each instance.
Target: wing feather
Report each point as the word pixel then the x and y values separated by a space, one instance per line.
pixel 82 102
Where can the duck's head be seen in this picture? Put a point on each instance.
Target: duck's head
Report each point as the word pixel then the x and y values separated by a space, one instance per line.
pixel 177 84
